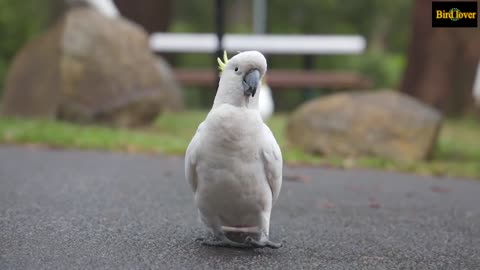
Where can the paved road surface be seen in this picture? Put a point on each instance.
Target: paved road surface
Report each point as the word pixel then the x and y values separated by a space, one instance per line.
pixel 94 210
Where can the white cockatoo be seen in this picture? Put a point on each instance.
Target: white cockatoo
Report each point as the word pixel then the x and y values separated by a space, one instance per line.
pixel 105 7
pixel 266 104
pixel 476 86
pixel 233 163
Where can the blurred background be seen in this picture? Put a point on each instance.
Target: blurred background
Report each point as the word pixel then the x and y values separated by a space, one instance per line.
pixel 66 66
pixel 386 26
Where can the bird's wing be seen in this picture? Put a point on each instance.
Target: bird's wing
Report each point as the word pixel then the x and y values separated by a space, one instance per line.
pixel 191 159
pixel 272 163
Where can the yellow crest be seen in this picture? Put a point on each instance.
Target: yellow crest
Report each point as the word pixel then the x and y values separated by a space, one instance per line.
pixel 221 65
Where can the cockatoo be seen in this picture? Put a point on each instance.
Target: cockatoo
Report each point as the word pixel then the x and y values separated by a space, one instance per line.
pixel 266 104
pixel 233 163
pixel 476 86
pixel 105 7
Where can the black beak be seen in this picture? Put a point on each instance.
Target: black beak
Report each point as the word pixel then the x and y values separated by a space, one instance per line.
pixel 250 82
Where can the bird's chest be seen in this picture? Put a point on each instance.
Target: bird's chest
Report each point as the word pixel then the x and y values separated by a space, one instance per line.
pixel 231 152
pixel 234 172
pixel 232 139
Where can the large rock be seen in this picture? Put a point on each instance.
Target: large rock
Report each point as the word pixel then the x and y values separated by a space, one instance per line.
pixel 385 123
pixel 89 68
pixel 173 92
pixel 32 85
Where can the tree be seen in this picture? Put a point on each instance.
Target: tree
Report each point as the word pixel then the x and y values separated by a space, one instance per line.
pixel 19 22
pixel 441 63
pixel 153 15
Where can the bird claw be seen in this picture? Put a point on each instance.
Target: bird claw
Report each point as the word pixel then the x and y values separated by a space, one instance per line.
pixel 262 244
pixel 200 239
pixel 225 243
pixel 221 241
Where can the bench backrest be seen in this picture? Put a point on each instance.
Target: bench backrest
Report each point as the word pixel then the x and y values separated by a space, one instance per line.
pixel 268 44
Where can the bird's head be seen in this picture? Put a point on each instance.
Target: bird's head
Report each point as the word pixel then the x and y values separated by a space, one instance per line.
pixel 241 77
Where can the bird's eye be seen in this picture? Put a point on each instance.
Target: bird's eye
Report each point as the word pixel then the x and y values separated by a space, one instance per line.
pixel 236 69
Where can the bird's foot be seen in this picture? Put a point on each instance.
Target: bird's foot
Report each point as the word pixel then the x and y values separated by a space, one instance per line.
pixel 221 240
pixel 200 239
pixel 225 243
pixel 262 244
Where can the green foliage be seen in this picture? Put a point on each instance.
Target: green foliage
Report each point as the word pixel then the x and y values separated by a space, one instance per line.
pixel 62 134
pixel 457 150
pixel 384 69
pixel 460 140
pixel 20 20
pixel 194 16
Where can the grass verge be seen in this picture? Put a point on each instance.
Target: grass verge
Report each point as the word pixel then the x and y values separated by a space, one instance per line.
pixel 457 152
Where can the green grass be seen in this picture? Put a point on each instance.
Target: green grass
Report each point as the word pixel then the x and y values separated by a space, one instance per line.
pixel 457 152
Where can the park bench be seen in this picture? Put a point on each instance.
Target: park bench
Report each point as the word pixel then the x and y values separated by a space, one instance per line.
pixel 282 79
pixel 308 45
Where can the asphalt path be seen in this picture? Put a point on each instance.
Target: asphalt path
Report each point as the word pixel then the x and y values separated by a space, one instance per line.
pixel 98 210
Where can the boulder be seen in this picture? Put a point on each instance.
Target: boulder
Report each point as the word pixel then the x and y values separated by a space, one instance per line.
pixel 382 123
pixel 173 92
pixel 32 84
pixel 91 69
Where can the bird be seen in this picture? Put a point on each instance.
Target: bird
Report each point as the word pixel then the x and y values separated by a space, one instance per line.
pixel 105 7
pixel 266 104
pixel 476 86
pixel 233 162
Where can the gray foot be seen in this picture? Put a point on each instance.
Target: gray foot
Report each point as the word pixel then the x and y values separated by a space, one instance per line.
pixel 225 243
pixel 199 239
pixel 220 240
pixel 262 244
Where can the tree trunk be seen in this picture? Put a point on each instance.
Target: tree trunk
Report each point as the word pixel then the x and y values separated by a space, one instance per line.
pixel 153 15
pixel 441 63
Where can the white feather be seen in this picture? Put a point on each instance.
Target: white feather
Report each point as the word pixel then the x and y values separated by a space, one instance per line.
pixel 476 86
pixel 266 104
pixel 106 7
